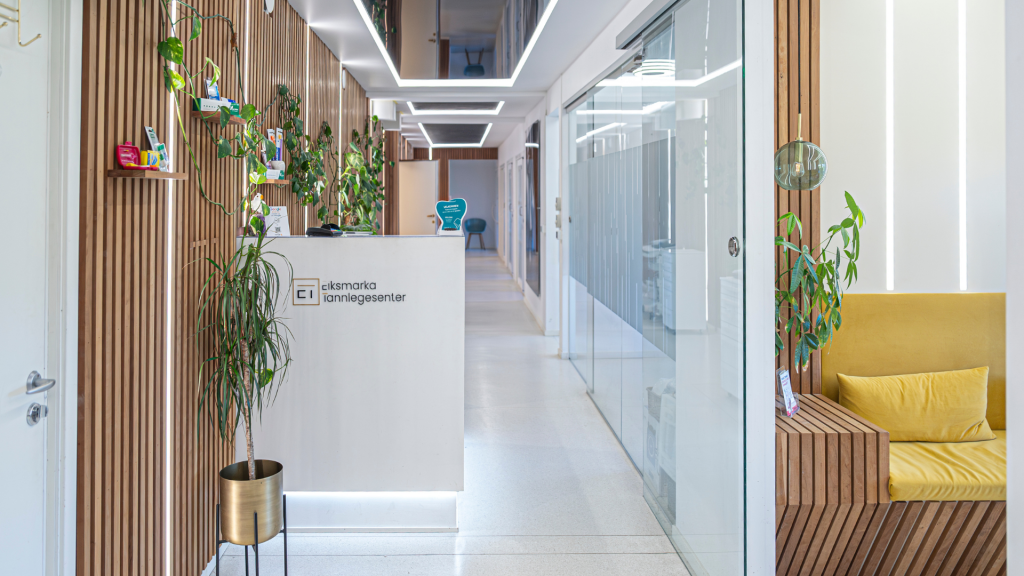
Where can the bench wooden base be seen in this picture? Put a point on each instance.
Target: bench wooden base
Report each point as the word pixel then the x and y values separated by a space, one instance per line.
pixel 834 517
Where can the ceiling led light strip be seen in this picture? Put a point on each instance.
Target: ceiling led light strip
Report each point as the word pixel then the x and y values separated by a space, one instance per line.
pixel 599 130
pixel 467 145
pixel 494 112
pixel 489 83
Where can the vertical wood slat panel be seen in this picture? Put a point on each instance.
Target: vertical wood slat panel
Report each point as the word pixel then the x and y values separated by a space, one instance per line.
pixel 123 294
pixel 122 289
pixel 797 91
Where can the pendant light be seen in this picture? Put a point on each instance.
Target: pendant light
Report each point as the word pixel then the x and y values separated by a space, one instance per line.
pixel 800 165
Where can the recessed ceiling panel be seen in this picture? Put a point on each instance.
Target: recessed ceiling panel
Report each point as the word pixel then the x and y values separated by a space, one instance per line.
pixel 456 106
pixel 442 135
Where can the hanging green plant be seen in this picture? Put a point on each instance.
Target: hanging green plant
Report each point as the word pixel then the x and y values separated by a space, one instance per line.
pixel 812 282
pixel 306 157
pixel 362 187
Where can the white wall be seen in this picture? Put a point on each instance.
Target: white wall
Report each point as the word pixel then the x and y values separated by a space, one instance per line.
pixel 1014 287
pixel 477 182
pixel 926 153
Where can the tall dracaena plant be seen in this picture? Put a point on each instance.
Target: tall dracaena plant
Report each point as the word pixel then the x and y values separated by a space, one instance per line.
pixel 810 283
pixel 239 300
pixel 362 188
pixel 240 311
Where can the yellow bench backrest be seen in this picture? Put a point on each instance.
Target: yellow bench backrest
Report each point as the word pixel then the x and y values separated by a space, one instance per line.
pixel 889 334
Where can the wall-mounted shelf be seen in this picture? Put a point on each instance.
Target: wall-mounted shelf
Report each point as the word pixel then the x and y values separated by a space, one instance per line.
pixel 278 182
pixel 147 174
pixel 216 116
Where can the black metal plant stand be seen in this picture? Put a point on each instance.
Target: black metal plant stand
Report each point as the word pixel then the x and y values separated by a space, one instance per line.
pixel 256 538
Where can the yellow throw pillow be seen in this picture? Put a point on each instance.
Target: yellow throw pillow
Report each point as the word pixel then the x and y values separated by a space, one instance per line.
pixel 933 407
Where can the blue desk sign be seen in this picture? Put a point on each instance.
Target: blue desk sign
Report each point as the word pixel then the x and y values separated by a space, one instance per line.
pixel 449 215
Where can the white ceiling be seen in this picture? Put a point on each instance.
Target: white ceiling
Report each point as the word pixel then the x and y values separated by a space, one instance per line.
pixel 572 26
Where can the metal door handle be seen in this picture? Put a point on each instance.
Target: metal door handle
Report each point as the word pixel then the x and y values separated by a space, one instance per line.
pixel 37 383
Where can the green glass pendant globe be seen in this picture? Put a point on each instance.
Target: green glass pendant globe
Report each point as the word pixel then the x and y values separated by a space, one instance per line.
pixel 800 165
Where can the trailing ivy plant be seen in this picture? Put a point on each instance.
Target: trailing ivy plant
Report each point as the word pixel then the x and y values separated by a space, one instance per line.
pixel 247 144
pixel 361 182
pixel 306 167
pixel 810 283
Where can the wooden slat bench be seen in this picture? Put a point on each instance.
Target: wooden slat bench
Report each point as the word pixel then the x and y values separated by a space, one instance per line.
pixel 833 515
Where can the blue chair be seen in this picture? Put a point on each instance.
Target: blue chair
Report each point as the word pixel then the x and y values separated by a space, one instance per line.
pixel 476 226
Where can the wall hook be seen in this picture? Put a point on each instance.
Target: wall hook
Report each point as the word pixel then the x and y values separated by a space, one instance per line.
pixel 16 20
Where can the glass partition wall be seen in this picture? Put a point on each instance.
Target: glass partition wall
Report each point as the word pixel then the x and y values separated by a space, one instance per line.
pixel 656 298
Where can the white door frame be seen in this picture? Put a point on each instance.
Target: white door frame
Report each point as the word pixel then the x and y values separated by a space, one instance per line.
pixel 64 38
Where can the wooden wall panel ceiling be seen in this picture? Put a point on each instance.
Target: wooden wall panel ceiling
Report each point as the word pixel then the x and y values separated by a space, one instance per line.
pixel 797 89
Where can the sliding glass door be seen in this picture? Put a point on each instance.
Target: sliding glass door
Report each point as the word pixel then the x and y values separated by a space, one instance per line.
pixel 656 197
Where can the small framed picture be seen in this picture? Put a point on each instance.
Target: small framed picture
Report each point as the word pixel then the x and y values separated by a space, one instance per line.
pixel 786 401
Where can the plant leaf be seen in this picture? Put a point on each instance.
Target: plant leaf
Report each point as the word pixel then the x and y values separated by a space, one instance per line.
pixel 171 49
pixel 172 80
pixel 197 27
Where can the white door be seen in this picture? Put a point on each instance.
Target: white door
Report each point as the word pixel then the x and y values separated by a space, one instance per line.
pixel 419 39
pixel 417 195
pixel 23 291
pixel 509 211
pixel 521 222
pixel 499 217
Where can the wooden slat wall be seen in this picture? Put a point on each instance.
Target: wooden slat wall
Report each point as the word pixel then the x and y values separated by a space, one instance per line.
pixel 122 299
pixel 797 89
pixel 124 295
pixel 277 56
pixel 833 515
pixel 396 148
pixel 355 107
pixel 324 101
pixel 202 231
pixel 446 154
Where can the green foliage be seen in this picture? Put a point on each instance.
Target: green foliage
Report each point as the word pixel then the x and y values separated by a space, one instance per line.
pixel 812 298
pixel 306 167
pixel 240 312
pixel 362 188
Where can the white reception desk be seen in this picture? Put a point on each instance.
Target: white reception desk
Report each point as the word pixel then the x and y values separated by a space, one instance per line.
pixel 370 423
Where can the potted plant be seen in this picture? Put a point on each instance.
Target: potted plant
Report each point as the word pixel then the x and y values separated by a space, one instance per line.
pixel 240 311
pixel 813 298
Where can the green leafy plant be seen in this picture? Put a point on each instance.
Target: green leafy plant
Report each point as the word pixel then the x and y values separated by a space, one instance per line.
pixel 240 309
pixel 306 169
pixel 810 283
pixel 362 187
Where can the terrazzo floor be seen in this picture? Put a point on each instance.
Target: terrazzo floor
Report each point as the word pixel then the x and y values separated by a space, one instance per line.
pixel 549 490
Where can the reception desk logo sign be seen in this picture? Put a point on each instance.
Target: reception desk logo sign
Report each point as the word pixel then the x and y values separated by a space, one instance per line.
pixel 311 292
pixel 306 292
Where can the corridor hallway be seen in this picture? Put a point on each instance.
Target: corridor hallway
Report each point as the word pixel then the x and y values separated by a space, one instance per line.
pixel 549 490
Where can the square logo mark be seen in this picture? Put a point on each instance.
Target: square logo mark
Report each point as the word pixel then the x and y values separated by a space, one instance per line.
pixel 306 292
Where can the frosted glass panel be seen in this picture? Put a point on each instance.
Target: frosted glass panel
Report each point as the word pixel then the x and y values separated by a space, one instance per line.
pixel 656 300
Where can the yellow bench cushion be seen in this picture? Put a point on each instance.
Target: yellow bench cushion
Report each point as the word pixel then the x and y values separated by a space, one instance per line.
pixel 948 471
pixel 934 407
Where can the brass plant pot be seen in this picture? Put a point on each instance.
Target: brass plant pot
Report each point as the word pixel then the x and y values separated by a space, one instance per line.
pixel 241 497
